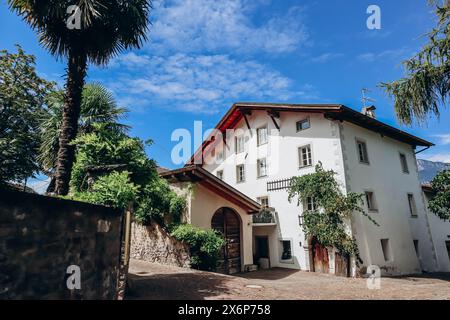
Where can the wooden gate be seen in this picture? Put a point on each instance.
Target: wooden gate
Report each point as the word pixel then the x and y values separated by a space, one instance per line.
pixel 342 265
pixel 227 222
pixel 319 257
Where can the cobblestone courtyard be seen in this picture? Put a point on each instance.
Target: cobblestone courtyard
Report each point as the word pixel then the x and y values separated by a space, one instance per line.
pixel 155 281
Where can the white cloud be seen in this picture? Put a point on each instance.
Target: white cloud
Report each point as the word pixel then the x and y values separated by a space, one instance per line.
pixel 438 157
pixel 214 26
pixel 386 54
pixel 325 57
pixel 444 138
pixel 203 83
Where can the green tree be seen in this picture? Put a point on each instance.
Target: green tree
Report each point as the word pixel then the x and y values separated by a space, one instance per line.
pixel 327 221
pixel 440 203
pixel 107 27
pixel 426 86
pixel 22 100
pixel 97 106
pixel 102 155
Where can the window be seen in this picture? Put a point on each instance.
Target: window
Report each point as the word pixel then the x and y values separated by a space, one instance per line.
pixel 412 205
pixel 447 244
pixel 286 252
pixel 239 144
pixel 309 204
pixel 416 247
pixel 386 249
pixel 370 200
pixel 261 135
pixel 261 167
pixel 213 152
pixel 404 163
pixel 240 173
pixel 219 174
pixel 304 156
pixel 303 124
pixel 263 201
pixel 219 155
pixel 362 151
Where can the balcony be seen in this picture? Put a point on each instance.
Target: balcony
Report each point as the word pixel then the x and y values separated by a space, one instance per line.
pixel 266 217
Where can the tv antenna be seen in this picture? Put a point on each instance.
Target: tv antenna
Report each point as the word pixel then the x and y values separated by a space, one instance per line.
pixel 365 99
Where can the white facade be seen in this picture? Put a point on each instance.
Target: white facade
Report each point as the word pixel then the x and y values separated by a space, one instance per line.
pixel 334 144
pixel 440 233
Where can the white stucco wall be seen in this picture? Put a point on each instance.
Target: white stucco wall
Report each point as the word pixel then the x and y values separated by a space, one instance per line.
pixel 440 231
pixel 385 178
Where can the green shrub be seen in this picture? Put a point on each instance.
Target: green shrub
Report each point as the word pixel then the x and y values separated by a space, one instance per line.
pixel 159 202
pixel 115 190
pixel 205 245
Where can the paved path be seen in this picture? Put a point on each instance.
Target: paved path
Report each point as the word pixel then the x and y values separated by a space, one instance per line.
pixel 155 281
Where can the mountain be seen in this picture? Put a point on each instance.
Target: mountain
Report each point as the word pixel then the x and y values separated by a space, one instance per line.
pixel 428 169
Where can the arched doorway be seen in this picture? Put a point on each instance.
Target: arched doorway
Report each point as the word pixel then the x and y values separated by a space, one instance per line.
pixel 228 223
pixel 319 256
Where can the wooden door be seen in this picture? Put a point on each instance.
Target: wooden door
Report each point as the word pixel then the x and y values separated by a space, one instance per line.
pixel 227 222
pixel 319 257
pixel 341 265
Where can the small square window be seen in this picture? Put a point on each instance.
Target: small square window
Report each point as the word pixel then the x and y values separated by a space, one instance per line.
pixel 286 250
pixel 385 247
pixel 261 167
pixel 304 156
pixel 263 201
pixel 303 124
pixel 219 174
pixel 370 200
pixel 219 155
pixel 239 144
pixel 240 173
pixel 362 151
pixel 412 205
pixel 416 247
pixel 309 204
pixel 404 163
pixel 262 135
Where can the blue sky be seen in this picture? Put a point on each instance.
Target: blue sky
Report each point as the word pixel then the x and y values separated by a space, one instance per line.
pixel 203 55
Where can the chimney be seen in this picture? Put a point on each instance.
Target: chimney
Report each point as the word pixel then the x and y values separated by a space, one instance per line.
pixel 369 111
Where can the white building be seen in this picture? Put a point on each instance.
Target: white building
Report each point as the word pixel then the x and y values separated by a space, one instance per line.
pixel 258 147
pixel 439 231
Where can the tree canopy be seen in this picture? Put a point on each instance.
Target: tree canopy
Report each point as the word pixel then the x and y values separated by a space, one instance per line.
pixel 440 202
pixel 22 106
pixel 426 85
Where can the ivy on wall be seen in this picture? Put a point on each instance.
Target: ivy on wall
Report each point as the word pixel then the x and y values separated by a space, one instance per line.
pixel 326 221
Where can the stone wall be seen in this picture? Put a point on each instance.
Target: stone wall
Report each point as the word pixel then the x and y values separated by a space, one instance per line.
pixel 153 244
pixel 40 237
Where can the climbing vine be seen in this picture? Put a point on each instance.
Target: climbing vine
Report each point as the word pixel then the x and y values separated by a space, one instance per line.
pixel 326 220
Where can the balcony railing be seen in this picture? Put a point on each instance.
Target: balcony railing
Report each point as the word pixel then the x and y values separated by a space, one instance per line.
pixel 264 217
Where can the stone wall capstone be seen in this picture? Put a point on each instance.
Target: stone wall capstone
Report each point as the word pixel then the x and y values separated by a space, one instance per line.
pixel 40 237
pixel 152 243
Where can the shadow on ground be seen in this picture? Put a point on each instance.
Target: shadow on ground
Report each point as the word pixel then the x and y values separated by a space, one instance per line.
pixel 268 274
pixel 169 286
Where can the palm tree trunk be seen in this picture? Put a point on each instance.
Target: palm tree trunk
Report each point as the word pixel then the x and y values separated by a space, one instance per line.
pixel 71 112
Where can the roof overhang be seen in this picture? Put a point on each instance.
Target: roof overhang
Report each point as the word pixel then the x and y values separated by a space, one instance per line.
pixel 199 175
pixel 331 111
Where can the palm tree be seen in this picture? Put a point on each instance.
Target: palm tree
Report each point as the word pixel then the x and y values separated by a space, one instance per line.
pixel 97 106
pixel 107 28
